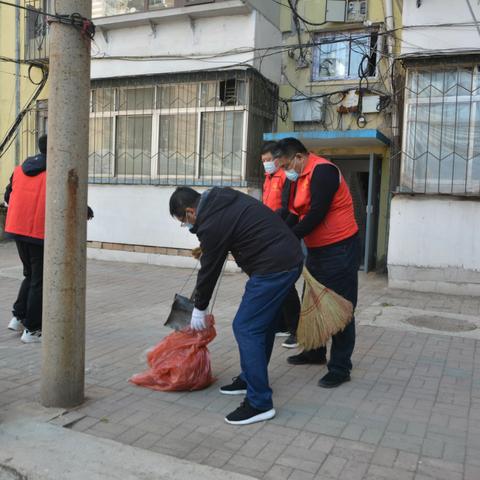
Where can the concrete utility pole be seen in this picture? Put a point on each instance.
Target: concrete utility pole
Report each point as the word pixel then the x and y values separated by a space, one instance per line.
pixel 63 330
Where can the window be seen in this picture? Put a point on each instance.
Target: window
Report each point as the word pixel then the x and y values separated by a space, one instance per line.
pixel 36 29
pixel 441 147
pixel 339 56
pixel 221 147
pixel 106 8
pixel 133 145
pixel 189 132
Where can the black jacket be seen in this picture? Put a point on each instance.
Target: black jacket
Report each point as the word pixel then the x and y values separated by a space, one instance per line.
pixel 231 221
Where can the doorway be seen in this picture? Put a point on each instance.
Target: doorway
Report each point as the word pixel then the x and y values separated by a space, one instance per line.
pixel 362 175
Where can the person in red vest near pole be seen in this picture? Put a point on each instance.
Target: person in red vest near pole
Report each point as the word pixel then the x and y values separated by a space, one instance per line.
pixel 328 227
pixel 25 223
pixel 277 194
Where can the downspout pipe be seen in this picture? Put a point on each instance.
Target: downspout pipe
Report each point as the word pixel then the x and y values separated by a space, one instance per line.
pixel 394 148
pixel 17 78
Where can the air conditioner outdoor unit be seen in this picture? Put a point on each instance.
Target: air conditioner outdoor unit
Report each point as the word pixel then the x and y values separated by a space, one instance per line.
pixel 305 109
pixel 346 11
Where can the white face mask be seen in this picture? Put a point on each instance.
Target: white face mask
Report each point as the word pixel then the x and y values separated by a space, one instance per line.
pixel 270 167
pixel 292 175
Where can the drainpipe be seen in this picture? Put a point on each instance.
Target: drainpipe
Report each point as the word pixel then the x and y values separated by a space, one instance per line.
pixel 390 26
pixel 17 78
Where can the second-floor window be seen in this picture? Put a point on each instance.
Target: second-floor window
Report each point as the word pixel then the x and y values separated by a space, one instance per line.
pixel 344 56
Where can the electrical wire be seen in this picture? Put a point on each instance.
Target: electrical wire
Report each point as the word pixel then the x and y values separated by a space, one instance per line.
pixel 83 24
pixel 12 132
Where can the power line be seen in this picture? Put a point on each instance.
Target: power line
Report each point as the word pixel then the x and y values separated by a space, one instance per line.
pixel 83 24
pixel 13 130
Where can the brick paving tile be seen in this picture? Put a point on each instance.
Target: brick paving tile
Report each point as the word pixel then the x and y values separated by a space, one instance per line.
pixel 411 411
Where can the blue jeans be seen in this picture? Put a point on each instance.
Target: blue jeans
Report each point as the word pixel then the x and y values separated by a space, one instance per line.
pixel 254 327
pixel 336 267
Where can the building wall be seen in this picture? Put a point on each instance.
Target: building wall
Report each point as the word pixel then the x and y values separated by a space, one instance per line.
pixel 434 244
pixel 183 36
pixel 138 215
pixel 7 90
pixel 12 156
pixel 135 215
pixel 429 36
pixel 434 239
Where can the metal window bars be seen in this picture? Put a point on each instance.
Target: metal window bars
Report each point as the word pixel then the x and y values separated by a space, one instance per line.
pixel 36 29
pixel 440 152
pixel 202 129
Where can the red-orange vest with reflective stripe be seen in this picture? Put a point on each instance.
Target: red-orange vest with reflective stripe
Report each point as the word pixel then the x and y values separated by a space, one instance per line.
pixel 26 208
pixel 272 189
pixel 339 223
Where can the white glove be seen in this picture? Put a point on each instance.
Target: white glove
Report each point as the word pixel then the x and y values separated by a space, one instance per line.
pixel 198 319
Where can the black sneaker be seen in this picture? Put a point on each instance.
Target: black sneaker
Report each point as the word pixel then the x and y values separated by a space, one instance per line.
pixel 332 380
pixel 290 342
pixel 304 359
pixel 245 414
pixel 237 387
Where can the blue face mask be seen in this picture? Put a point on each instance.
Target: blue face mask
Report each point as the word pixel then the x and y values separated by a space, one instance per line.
pixel 270 167
pixel 187 225
pixel 292 175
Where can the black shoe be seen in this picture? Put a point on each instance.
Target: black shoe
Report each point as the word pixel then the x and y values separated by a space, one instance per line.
pixel 290 342
pixel 237 387
pixel 304 359
pixel 332 380
pixel 245 414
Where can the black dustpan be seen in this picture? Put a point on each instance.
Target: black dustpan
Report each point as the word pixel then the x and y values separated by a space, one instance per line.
pixel 181 312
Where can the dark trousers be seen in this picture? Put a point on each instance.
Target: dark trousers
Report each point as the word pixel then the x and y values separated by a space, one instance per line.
pixel 28 306
pixel 290 312
pixel 336 267
pixel 254 327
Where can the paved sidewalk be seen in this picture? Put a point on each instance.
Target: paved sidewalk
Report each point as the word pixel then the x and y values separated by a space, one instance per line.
pixel 411 410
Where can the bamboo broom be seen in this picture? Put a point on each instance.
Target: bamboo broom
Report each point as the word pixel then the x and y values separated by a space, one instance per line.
pixel 324 313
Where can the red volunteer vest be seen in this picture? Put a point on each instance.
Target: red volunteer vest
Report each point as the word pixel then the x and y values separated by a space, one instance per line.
pixel 26 209
pixel 339 223
pixel 272 189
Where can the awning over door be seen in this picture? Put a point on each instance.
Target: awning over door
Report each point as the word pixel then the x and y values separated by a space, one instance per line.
pixel 334 138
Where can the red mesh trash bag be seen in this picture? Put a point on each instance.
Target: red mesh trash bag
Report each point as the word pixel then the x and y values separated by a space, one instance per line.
pixel 180 362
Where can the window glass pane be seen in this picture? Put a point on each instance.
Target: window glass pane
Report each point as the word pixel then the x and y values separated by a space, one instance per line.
pixel 103 8
pixel 176 149
pixel 100 146
pixel 183 95
pixel 221 149
pixel 153 4
pixel 333 59
pixel 360 46
pixel 103 99
pixel 133 145
pixel 209 94
pixel 136 98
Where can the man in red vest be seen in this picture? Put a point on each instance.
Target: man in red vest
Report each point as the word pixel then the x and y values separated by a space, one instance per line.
pixel 327 225
pixel 25 223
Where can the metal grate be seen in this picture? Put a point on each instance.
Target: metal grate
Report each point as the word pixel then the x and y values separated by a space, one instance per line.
pixel 178 129
pixel 36 29
pixel 441 131
pixel 196 129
